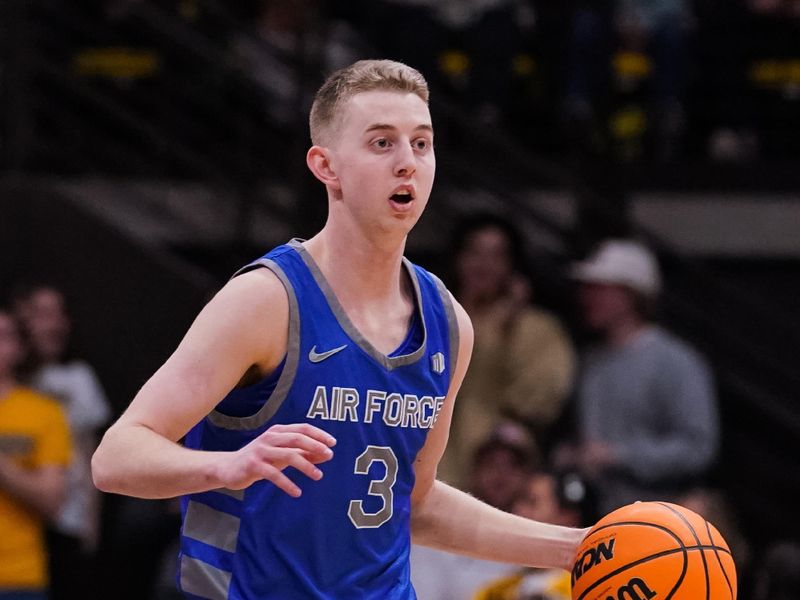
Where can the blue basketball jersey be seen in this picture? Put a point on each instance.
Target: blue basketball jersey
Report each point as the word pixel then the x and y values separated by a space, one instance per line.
pixel 348 535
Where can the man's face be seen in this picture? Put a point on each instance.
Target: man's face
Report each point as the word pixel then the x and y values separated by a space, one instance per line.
pixel 484 264
pixel 497 477
pixel 47 323
pixel 605 304
pixel 382 154
pixel 10 345
pixel 538 500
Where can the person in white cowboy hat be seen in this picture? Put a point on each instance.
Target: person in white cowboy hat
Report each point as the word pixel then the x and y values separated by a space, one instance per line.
pixel 646 414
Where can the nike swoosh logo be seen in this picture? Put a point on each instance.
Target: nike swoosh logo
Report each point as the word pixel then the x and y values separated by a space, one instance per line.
pixel 316 357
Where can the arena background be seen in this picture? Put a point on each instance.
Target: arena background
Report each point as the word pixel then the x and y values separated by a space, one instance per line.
pixel 142 160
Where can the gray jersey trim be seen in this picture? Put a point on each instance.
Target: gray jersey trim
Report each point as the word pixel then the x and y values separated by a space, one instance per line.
pixel 286 378
pixel 389 362
pixel 211 526
pixel 238 494
pixel 452 324
pixel 202 579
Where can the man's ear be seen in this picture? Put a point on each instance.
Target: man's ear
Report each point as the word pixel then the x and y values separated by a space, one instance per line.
pixel 318 160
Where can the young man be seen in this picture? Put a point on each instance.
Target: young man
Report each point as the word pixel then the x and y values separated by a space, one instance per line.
pixel 34 453
pixel 522 365
pixel 73 536
pixel 646 411
pixel 338 351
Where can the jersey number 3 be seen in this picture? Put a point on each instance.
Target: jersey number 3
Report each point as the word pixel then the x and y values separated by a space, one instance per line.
pixel 377 487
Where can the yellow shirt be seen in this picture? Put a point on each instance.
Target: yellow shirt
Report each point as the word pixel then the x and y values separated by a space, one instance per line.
pixel 549 584
pixel 34 434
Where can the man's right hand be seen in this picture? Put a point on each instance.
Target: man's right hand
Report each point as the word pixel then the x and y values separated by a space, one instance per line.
pixel 300 445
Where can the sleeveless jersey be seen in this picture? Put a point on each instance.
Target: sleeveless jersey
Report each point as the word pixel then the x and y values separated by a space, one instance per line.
pixel 348 535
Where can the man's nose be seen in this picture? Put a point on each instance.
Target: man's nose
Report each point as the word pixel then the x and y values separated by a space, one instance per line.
pixel 406 161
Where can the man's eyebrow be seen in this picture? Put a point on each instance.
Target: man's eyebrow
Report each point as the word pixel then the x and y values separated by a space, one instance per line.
pixel 386 126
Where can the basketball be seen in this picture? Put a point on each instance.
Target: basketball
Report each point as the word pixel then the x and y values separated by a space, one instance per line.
pixel 652 550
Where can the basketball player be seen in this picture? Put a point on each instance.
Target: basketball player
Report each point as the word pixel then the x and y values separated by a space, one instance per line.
pixel 333 356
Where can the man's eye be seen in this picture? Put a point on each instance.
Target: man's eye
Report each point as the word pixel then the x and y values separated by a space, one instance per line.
pixel 381 143
pixel 422 144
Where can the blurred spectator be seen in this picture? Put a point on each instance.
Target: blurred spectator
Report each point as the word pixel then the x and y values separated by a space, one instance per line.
pixel 52 371
pixel 288 46
pixel 497 476
pixel 659 27
pixel 484 32
pixel 646 409
pixel 34 452
pixel 488 31
pixel 733 131
pixel 588 84
pixel 714 507
pixel 749 83
pixel 522 362
pixel 550 498
pixel 778 574
pixel 499 465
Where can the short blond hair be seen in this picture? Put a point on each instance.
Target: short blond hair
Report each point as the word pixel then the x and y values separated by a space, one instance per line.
pixel 361 76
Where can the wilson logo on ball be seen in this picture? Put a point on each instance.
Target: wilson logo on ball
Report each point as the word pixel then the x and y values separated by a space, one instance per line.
pixel 592 557
pixel 635 589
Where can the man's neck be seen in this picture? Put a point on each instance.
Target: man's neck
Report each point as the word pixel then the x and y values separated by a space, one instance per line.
pixel 365 274
pixel 625 331
pixel 358 269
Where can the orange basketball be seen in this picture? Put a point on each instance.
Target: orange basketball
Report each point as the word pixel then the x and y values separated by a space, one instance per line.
pixel 653 550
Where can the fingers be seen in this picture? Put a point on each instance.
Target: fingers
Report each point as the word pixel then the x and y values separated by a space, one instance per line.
pixel 315 442
pixel 276 459
pixel 286 457
pixel 270 473
pixel 308 430
pixel 298 445
pixel 314 450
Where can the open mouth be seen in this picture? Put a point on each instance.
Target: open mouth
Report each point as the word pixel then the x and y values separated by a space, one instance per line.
pixel 402 197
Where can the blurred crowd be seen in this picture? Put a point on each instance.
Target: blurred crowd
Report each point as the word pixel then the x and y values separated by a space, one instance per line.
pixel 620 77
pixel 55 542
pixel 555 421
pixel 550 431
pixel 632 79
pixel 52 408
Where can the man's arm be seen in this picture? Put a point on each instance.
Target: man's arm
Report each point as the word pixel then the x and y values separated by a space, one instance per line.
pixel 448 519
pixel 245 324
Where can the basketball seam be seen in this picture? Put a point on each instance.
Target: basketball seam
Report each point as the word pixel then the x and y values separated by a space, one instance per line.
pixel 711 546
pixel 682 549
pixel 697 539
pixel 719 561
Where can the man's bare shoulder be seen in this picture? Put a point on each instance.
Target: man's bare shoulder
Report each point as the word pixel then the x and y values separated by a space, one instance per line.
pixel 246 321
pixel 256 290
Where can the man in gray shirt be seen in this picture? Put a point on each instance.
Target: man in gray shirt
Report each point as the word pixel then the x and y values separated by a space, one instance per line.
pixel 646 409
